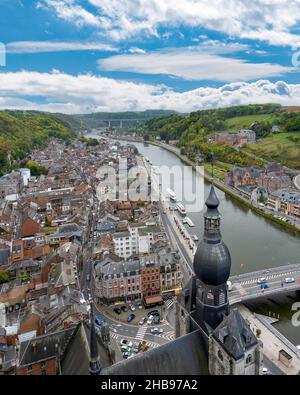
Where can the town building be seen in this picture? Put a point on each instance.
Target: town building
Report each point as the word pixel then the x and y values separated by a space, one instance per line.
pixel 117 280
pixel 211 337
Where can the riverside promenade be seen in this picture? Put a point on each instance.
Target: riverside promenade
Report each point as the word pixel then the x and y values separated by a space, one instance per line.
pixel 273 341
pixel 294 226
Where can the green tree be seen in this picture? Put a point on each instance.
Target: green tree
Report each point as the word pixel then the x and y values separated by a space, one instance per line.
pixel 35 168
pixel 4 278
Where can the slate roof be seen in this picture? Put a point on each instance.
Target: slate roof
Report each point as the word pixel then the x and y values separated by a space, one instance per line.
pixel 69 228
pixel 4 254
pixel 44 346
pixel 106 226
pixel 235 335
pixel 79 346
pixel 183 356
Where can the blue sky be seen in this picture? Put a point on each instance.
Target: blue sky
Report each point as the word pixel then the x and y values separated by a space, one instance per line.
pixel 113 55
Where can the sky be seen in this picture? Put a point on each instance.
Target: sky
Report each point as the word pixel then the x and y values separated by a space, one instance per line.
pixel 76 56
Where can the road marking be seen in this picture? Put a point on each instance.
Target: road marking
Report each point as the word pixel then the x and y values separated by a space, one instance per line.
pixel 149 343
pixel 168 335
pixel 141 333
pixel 169 302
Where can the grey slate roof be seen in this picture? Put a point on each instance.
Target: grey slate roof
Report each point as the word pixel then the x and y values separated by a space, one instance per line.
pixel 235 335
pixel 4 254
pixel 45 346
pixel 183 356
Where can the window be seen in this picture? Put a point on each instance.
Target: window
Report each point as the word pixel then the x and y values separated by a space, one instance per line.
pixel 43 365
pixel 249 358
pixel 220 356
pixel 210 298
pixel 29 370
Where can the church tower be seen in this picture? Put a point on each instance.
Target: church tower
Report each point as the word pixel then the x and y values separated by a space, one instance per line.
pixel 212 264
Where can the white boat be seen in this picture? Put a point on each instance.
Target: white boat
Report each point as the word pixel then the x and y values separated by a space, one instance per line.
pixel 172 194
pixel 184 221
pixel 181 209
pixel 195 237
pixel 189 222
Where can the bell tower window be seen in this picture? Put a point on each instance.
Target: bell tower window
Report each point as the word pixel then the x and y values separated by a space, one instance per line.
pixel 210 297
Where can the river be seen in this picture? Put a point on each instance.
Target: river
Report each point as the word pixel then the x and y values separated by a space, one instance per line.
pixel 254 242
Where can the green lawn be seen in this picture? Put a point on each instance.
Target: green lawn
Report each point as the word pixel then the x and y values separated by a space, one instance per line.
pixel 49 229
pixel 218 171
pixel 280 147
pixel 222 165
pixel 237 123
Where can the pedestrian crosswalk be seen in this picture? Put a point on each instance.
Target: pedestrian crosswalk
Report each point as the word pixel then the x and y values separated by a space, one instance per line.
pixel 141 333
pixel 169 303
pixel 269 277
pixel 149 343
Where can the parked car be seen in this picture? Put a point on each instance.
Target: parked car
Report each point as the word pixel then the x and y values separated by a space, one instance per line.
pixel 140 306
pixel 156 330
pixel 261 280
pixel 229 285
pixel 265 370
pixel 264 286
pixel 136 347
pixel 156 319
pixel 124 308
pixel 131 317
pixel 132 308
pixel 150 319
pixel 125 349
pixel 153 312
pixel 125 342
pixel 289 280
pixel 127 354
pixel 99 320
pixel 142 321
pixel 117 310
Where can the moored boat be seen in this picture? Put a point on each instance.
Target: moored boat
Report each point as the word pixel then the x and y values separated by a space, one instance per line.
pixel 181 209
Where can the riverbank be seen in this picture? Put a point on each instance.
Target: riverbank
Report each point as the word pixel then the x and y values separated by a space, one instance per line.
pixel 207 176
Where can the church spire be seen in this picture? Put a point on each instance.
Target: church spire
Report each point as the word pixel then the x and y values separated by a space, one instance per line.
pixel 212 218
pixel 95 367
pixel 212 263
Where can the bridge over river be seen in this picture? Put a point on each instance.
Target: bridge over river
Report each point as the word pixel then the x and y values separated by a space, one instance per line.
pixel 246 287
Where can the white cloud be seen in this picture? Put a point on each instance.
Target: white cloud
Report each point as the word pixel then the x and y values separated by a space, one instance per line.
pixel 70 11
pixel 88 93
pixel 136 50
pixel 20 47
pixel 196 63
pixel 272 21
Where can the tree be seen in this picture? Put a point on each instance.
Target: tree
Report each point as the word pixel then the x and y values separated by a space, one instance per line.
pixel 258 332
pixel 4 278
pixel 47 222
pixel 35 168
